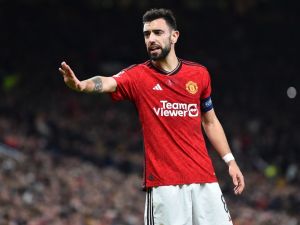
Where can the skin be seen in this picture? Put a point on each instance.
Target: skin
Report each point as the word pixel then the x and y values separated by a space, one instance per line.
pixel 160 38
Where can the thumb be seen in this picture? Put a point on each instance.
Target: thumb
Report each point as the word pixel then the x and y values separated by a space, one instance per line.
pixel 80 86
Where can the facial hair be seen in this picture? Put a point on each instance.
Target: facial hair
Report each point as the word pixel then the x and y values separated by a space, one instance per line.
pixel 164 52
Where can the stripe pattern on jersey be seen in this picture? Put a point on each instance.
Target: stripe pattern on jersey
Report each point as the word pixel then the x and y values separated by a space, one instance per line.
pixel 150 214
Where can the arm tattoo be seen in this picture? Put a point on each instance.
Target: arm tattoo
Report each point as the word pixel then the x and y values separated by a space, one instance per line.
pixel 98 84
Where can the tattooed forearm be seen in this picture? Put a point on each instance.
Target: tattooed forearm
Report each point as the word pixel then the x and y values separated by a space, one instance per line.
pixel 98 84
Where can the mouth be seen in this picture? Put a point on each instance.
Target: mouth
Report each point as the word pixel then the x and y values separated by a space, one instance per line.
pixel 154 48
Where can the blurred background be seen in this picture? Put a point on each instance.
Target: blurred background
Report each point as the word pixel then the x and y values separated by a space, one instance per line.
pixel 74 159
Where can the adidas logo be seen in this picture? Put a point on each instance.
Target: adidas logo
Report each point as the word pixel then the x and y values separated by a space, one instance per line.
pixel 157 87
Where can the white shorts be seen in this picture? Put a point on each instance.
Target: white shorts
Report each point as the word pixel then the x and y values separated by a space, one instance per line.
pixel 193 204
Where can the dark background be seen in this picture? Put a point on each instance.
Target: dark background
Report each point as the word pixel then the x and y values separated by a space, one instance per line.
pixel 81 155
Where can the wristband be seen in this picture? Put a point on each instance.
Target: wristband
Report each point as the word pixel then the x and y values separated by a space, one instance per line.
pixel 228 157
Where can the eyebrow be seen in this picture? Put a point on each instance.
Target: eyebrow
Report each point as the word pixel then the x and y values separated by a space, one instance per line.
pixel 154 30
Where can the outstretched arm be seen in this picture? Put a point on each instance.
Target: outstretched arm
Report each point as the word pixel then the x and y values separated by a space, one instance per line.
pixel 216 136
pixel 97 84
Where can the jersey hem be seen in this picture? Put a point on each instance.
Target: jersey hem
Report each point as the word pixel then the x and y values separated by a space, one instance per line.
pixel 158 184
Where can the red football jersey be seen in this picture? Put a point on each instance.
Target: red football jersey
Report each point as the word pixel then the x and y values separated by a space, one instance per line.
pixel 168 105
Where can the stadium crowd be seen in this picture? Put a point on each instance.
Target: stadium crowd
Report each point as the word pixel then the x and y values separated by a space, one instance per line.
pixel 82 155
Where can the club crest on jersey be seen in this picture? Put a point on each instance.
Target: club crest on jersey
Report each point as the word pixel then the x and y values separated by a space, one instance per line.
pixel 191 87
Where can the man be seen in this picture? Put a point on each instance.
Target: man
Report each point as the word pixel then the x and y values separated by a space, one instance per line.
pixel 172 97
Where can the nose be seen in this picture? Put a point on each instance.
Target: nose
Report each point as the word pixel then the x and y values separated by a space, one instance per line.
pixel 151 38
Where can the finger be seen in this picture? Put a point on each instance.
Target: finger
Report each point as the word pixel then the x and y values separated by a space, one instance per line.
pixel 67 69
pixel 235 180
pixel 61 71
pixel 236 190
pixel 65 66
pixel 241 185
pixel 236 183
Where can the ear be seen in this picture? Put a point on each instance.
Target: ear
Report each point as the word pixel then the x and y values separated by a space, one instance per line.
pixel 174 36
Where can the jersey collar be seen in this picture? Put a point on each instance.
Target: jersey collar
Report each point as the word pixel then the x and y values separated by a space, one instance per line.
pixel 167 73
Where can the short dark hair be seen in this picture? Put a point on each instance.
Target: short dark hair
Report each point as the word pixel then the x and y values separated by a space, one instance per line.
pixel 165 14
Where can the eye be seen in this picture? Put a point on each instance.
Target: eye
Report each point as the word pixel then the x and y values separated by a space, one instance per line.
pixel 146 33
pixel 158 32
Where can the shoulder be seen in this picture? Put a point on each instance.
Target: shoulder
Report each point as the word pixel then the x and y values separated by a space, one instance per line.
pixel 193 65
pixel 137 67
pixel 131 72
pixel 197 68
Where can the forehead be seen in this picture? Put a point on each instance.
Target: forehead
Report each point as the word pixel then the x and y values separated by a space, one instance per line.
pixel 158 24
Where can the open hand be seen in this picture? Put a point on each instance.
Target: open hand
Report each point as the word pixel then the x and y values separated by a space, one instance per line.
pixel 70 78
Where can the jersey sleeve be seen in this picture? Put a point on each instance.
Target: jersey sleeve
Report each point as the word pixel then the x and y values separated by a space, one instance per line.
pixel 125 86
pixel 205 98
pixel 206 92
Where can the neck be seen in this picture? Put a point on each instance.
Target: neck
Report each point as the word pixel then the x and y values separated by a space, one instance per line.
pixel 167 64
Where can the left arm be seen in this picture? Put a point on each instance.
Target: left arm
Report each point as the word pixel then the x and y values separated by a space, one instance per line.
pixel 217 138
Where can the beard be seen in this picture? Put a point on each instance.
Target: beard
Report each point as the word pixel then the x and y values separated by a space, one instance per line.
pixel 162 55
